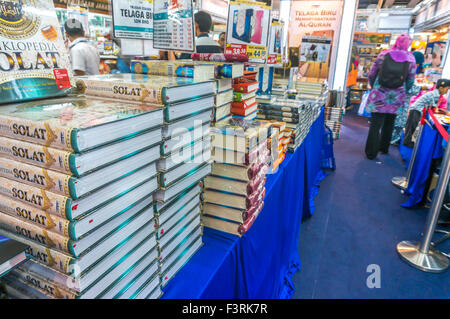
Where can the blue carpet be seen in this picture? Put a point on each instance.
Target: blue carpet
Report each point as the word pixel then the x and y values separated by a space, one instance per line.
pixel 358 221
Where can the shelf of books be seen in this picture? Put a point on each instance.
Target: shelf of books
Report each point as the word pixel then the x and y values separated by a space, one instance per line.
pixel 109 180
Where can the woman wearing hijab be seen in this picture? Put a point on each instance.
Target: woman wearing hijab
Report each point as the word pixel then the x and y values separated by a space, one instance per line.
pixel 384 98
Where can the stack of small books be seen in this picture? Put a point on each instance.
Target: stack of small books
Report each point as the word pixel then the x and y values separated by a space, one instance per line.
pixel 244 104
pixel 278 143
pixel 298 114
pixel 234 192
pixel 77 177
pixel 311 88
pixel 184 156
pixel 333 119
pixel 225 72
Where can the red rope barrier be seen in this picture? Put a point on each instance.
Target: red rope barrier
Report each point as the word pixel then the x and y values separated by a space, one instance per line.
pixel 438 125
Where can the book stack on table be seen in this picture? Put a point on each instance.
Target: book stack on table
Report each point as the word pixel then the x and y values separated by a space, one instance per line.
pixel 311 88
pixel 234 192
pixel 225 72
pixel 244 104
pixel 278 143
pixel 333 119
pixel 298 114
pixel 77 177
pixel 184 156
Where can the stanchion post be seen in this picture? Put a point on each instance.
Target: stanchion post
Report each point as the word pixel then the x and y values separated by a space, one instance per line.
pixel 403 181
pixel 422 255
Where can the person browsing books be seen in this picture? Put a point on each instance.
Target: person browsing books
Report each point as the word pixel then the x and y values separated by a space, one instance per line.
pixel 84 57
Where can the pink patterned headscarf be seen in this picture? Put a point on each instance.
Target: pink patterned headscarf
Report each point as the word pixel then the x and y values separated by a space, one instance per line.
pixel 399 51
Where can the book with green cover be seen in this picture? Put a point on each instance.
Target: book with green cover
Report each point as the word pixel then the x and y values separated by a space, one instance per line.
pixel 77 123
pixel 144 88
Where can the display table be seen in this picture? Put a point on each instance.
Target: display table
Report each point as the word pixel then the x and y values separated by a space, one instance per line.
pixel 259 264
pixel 430 147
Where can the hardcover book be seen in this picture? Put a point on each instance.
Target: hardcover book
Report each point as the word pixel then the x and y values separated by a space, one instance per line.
pixel 224 84
pixel 35 62
pixel 242 173
pixel 234 201
pixel 199 150
pixel 234 186
pixel 226 69
pixel 258 154
pixel 77 164
pixel 228 226
pixel 246 87
pixel 152 285
pixel 164 210
pixel 98 244
pixel 80 226
pixel 12 253
pixel 262 116
pixel 146 268
pixel 221 112
pixel 239 96
pixel 198 134
pixel 167 193
pixel 184 125
pixel 174 111
pixel 175 226
pixel 244 104
pixel 69 185
pixel 179 258
pixel 35 204
pixel 16 289
pixel 194 229
pixel 249 117
pixel 46 282
pixel 143 88
pixel 223 98
pixel 249 109
pixel 229 213
pixel 76 123
pixel 240 135
pixel 198 71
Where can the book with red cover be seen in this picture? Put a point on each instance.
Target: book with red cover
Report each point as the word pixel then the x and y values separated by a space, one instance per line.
pixel 246 87
pixel 244 104
pixel 244 111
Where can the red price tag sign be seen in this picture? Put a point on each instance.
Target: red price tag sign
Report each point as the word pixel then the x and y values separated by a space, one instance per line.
pixel 62 78
pixel 236 49
pixel 272 59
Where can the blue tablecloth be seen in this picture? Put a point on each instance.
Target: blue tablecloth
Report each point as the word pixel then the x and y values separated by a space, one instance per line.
pixel 259 264
pixel 430 147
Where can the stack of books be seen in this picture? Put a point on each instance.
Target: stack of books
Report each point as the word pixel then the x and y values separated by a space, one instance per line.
pixel 77 177
pixel 244 104
pixel 12 253
pixel 184 162
pixel 311 88
pixel 333 119
pixel 184 156
pixel 234 192
pixel 223 99
pixel 298 114
pixel 278 143
pixel 280 86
